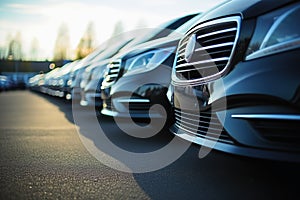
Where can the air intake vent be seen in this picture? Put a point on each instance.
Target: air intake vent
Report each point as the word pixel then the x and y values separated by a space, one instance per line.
pixel 280 131
pixel 205 52
pixel 113 71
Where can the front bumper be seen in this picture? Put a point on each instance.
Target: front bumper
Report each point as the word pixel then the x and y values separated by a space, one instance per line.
pixel 136 105
pixel 252 111
pixel 91 98
pixel 133 96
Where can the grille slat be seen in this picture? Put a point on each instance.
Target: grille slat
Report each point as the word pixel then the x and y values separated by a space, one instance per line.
pixel 113 71
pixel 113 75
pixel 205 125
pixel 217 32
pixel 197 68
pixel 186 123
pixel 206 135
pixel 203 62
pixel 181 50
pixel 180 60
pixel 194 120
pixel 199 133
pixel 218 39
pixel 183 44
pixel 203 114
pixel 215 44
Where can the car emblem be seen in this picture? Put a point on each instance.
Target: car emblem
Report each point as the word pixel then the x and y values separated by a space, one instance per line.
pixel 190 48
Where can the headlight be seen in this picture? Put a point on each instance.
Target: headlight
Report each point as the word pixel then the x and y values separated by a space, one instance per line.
pixel 54 82
pixel 41 82
pixel 69 82
pixel 147 61
pixel 61 82
pixel 275 32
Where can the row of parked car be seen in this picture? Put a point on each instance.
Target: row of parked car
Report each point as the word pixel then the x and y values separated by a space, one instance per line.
pixel 227 78
pixel 13 81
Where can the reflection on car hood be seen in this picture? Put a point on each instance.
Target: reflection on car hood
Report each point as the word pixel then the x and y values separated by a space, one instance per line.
pixel 158 43
pixel 247 9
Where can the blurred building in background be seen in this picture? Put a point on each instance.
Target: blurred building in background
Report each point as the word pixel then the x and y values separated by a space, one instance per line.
pixel 18 72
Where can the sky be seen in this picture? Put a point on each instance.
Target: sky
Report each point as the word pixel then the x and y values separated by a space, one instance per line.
pixel 41 19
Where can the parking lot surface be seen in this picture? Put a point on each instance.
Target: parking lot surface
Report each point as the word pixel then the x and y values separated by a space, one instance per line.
pixel 43 157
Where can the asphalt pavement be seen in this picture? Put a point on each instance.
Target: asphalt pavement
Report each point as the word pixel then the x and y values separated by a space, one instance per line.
pixel 43 157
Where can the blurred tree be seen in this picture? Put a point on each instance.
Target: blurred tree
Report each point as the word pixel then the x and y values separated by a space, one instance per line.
pixel 86 43
pixel 34 49
pixel 15 47
pixel 142 23
pixel 62 44
pixel 2 53
pixel 9 38
pixel 118 29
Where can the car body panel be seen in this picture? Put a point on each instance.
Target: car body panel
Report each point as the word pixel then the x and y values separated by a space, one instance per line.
pixel 253 108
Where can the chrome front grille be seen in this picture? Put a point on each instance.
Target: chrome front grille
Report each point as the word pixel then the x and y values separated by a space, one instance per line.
pixel 113 71
pixel 208 56
pixel 206 125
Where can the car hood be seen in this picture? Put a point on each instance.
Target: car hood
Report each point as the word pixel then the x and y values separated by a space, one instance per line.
pixel 247 9
pixel 154 44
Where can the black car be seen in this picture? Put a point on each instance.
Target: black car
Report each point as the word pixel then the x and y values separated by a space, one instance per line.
pixel 235 81
pixel 5 83
pixel 91 83
pixel 139 78
pixel 90 92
